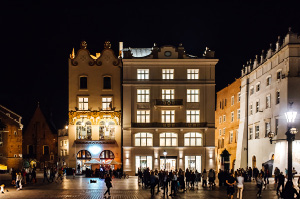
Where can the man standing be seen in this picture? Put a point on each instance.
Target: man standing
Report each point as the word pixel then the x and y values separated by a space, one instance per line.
pixel 230 189
pixel 280 182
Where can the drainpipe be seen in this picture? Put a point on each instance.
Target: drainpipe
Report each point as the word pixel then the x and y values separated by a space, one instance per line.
pixel 247 115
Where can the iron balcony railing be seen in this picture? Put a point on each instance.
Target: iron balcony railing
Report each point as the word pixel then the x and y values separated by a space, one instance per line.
pixel 169 102
pixel 169 125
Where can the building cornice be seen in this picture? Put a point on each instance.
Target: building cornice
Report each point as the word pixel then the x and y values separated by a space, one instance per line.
pixel 165 62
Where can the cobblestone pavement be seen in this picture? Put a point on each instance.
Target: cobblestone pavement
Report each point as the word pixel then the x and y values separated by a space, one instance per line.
pixel 80 188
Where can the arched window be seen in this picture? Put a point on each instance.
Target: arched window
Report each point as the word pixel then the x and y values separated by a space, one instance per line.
pixel 168 139
pixel 107 130
pixel 143 139
pixel 84 130
pixel 193 139
pixel 84 155
pixel 106 154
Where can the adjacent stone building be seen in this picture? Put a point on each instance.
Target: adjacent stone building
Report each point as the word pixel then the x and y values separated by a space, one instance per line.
pixel 227 118
pixel 40 140
pixel 94 130
pixel 268 85
pixel 10 139
pixel 168 109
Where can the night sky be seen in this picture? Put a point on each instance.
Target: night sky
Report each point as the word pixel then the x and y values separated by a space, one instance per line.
pixel 38 36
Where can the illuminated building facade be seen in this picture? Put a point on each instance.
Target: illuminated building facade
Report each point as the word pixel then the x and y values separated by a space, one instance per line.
pixel 227 118
pixel 94 130
pixel 168 106
pixel 268 85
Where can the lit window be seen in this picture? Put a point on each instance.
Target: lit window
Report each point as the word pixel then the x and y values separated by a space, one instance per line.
pixel 193 139
pixel 143 139
pixel 61 143
pixel 224 131
pixel 251 90
pixel 65 142
pixel 224 118
pixel 142 73
pixel 143 95
pixel 268 101
pixel 239 114
pixel 220 132
pixel 269 80
pixel 232 100
pixel 193 116
pixel 220 119
pixel 143 116
pixel 65 152
pixel 232 116
pixel 83 82
pixel 257 106
pixel 268 129
pixel 83 103
pixel 192 95
pixel 257 87
pixel 231 137
pixel 250 133
pixel 192 73
pixel 61 152
pixel 168 116
pixel 167 94
pixel 168 139
pixel 106 82
pixel 143 162
pixel 106 103
pixel 257 132
pixel 277 97
pixel 84 130
pixel 167 73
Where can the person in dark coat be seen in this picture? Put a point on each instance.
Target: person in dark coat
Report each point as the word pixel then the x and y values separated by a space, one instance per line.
pixel 152 183
pixel 108 184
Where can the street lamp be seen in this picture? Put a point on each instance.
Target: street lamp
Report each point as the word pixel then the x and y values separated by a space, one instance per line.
pixel 290 137
pixel 165 154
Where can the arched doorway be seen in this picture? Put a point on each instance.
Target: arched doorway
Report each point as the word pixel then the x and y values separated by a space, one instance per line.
pixel 82 157
pixel 106 155
pixel 254 161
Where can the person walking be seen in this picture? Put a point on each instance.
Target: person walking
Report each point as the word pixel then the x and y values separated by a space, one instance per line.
pixel 18 181
pixel 280 182
pixel 174 184
pixel 240 186
pixel 230 186
pixel 33 176
pixel 108 184
pixel 152 183
pixel 276 173
pixel 259 182
pixel 45 175
pixel 204 180
pixel 165 182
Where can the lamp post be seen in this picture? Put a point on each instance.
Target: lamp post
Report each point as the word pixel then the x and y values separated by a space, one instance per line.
pixel 165 154
pixel 290 137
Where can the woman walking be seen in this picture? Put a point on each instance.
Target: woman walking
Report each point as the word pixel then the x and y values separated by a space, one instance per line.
pixel 259 182
pixel 108 184
pixel 240 186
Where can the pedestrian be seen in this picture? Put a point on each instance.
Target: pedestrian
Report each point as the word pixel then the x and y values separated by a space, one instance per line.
pixel 187 178
pixel 166 180
pixel 24 175
pixel 152 183
pixel 108 184
pixel 259 182
pixel 193 177
pixel 45 175
pixel 230 186
pixel 240 186
pixel 220 177
pixel 174 184
pixel 276 173
pixel 211 178
pixel 289 191
pixel 18 181
pixel 280 182
pixel 294 172
pixel 204 180
pixel 33 176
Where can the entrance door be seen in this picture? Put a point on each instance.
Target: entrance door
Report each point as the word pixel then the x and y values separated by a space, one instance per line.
pixel 168 163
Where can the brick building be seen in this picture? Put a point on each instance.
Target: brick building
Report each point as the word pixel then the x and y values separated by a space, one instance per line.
pixel 227 117
pixel 10 139
pixel 40 140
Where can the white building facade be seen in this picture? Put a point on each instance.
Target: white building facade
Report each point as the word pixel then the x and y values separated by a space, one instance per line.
pixel 268 85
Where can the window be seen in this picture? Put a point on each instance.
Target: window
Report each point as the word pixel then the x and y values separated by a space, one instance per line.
pixel 220 119
pixel 239 96
pixel 192 95
pixel 167 94
pixel 61 143
pixel 277 97
pixel 268 101
pixel 268 129
pixel 257 106
pixel 225 102
pixel 224 118
pixel 84 130
pixel 257 87
pixel 269 80
pixel 168 139
pixel 143 162
pixel 232 100
pixel 220 132
pixel 231 137
pixel 65 152
pixel 84 155
pixel 143 73
pixel 15 155
pixel 46 150
pixel 251 90
pixel 143 116
pixel 143 139
pixel 30 150
pixel 167 73
pixel 65 142
pixel 224 131
pixel 83 103
pixel 192 73
pixel 143 95
pixel 250 133
pixel 279 75
pixel 106 155
pixel 251 109
pixel 106 103
pixel 107 130
pixel 232 116
pixel 276 126
pixel 257 132
pixel 193 116
pixel 239 114
pixel 1 139
pixel 106 82
pixel 193 163
pixel 83 83
pixel 168 116
pixel 61 152
pixel 193 139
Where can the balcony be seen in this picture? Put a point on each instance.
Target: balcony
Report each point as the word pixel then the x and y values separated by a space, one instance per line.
pixel 169 125
pixel 168 102
pixel 100 141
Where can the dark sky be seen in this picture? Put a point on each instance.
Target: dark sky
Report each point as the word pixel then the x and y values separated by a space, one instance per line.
pixel 38 36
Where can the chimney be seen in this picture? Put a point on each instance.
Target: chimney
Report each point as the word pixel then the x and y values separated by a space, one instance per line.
pixel 121 49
